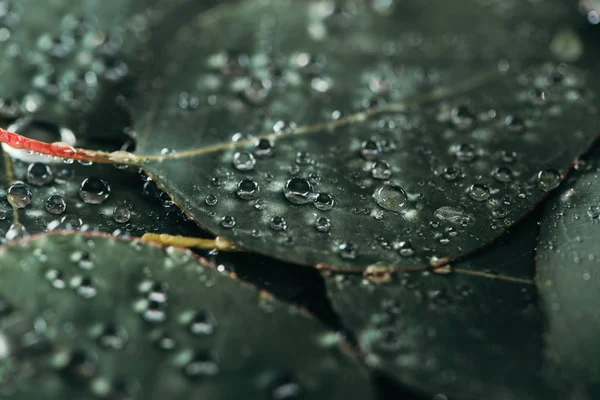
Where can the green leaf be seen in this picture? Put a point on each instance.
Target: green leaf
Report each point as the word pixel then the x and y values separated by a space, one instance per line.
pixel 89 316
pixel 568 278
pixel 461 331
pixel 448 116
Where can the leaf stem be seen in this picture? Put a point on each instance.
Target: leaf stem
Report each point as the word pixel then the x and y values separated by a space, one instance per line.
pixel 218 243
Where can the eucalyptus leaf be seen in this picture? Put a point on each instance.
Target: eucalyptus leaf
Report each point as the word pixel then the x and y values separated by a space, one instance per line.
pixel 568 278
pixel 403 153
pixel 89 316
pixel 458 331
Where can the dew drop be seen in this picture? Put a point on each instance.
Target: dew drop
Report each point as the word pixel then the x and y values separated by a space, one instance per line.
pixel 121 214
pixel 323 224
pixel 211 200
pixel 451 173
pixel 462 117
pixel 228 222
pixel 94 190
pixel 503 174
pixel 286 387
pixel 264 147
pixel 404 248
pixel 390 197
pixel 548 179
pixel 303 158
pixel 243 161
pixel 348 250
pixel 465 152
pixel 508 156
pixel 323 201
pixel 284 127
pixel 370 149
pixel 593 211
pixel 538 97
pixel 247 189
pixel 277 223
pixel 39 174
pixel 201 365
pixel 202 323
pixel 112 337
pixel 479 192
pixel 381 170
pixel 19 195
pixel 84 286
pixel 298 191
pixel 257 92
pixel 514 123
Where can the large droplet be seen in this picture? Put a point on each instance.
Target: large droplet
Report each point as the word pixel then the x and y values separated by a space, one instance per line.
pixel 56 204
pixel 243 161
pixel 298 191
pixel 479 192
pixel 548 179
pixel 324 201
pixel 19 195
pixel 247 189
pixel 390 197
pixel 39 174
pixel 94 190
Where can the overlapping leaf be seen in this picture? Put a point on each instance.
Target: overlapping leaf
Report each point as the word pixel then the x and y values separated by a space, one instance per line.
pixel 96 317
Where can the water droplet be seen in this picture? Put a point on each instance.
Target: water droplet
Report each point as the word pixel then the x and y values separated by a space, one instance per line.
pixel 503 174
pixel 286 387
pixel 508 156
pixel 548 179
pixel 248 189
pixel 56 278
pixel 381 170
pixel 390 197
pixel 202 323
pixel 404 248
pixel 453 215
pixel 211 200
pixel 39 174
pixel 121 214
pixel 257 92
pixel 303 158
pixel 462 117
pixel 324 201
pixel 479 192
pixel 284 127
pixel 348 250
pixel 298 191
pixel 264 147
pixel 16 231
pixel 451 173
pixel 19 195
pixel 465 152
pixel 228 222
pixel 370 149
pixel 84 286
pixel 201 365
pixel 323 224
pixel 112 337
pixel 155 312
pixel 164 341
pixel 277 223
pixel 94 190
pixel 538 97
pixel 243 161
pixel 593 211
pixel 514 123
pixel 56 205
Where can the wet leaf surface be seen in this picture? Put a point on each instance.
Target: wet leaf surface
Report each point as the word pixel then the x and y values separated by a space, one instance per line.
pixel 461 331
pixel 103 318
pixel 568 279
pixel 408 161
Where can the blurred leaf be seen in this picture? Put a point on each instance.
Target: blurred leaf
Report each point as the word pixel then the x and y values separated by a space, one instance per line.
pixel 87 316
pixel 460 331
pixel 568 278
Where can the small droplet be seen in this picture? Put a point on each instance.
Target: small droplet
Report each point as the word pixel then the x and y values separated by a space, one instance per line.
pixel 593 211
pixel 264 147
pixel 19 195
pixel 284 127
pixel 201 365
pixel 548 179
pixel 348 250
pixel 94 190
pixel 370 149
pixel 211 200
pixel 243 161
pixel 508 156
pixel 324 201
pixel 503 174
pixel 228 222
pixel 451 173
pixel 479 192
pixel 514 123
pixel 462 117
pixel 465 152
pixel 538 97
pixel 286 387
pixel 121 214
pixel 39 174
pixel 112 337
pixel 381 170
pixel 257 92
pixel 247 189
pixel 84 286
pixel 404 248
pixel 323 224
pixel 390 197
pixel 303 158
pixel 202 323
pixel 277 223
pixel 298 191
